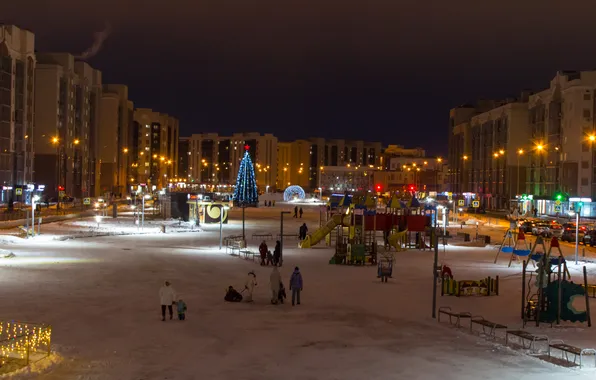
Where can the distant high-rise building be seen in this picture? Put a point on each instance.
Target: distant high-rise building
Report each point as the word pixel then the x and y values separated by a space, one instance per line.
pixel 17 79
pixel 114 139
pixel 184 153
pixel 67 97
pixel 156 149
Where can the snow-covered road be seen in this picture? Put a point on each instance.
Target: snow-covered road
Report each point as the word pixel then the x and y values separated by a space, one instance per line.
pixel 100 296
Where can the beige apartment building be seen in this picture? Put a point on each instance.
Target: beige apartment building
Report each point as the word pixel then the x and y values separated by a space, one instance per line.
pixel 215 160
pixel 114 137
pixel 17 79
pixel 155 150
pixel 67 95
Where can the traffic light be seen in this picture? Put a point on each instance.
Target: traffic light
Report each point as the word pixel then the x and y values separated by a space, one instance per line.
pixel 379 187
pixel 412 188
pixel 559 197
pixel 60 188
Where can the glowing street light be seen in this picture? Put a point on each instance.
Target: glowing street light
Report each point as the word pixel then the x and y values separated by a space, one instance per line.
pixel 55 140
pixel 540 147
pixel 125 150
pixel 592 138
pixel 76 141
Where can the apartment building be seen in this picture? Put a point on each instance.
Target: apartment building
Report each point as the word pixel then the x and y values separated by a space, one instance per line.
pixel 155 148
pixel 17 89
pixel 214 159
pixel 184 154
pixel 114 140
pixel 67 95
pixel 348 178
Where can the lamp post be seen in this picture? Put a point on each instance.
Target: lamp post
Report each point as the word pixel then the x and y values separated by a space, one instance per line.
pixel 519 153
pixel 33 200
pixel 281 237
pixel 221 218
pixel 243 230
pixel 146 196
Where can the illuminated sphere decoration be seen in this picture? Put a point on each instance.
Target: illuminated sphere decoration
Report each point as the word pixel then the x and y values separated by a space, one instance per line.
pixel 294 192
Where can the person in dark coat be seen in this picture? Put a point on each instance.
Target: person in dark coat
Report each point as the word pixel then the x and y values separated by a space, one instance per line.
pixel 301 212
pixel 232 295
pixel 296 286
pixel 277 253
pixel 295 211
pixel 263 252
pixel 303 231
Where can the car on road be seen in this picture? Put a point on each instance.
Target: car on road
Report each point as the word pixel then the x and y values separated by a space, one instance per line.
pixel 540 228
pixel 569 233
pixel 555 229
pixel 590 238
pixel 526 226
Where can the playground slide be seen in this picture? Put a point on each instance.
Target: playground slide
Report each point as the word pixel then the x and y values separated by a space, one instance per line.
pixel 320 234
pixel 397 239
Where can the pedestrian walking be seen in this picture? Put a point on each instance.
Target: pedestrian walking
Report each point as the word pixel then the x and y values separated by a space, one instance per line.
pixel 301 212
pixel 295 211
pixel 167 297
pixel 303 231
pixel 277 253
pixel 263 252
pixel 296 286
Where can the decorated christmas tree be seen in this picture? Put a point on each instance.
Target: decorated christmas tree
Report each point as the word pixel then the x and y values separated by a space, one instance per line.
pixel 245 193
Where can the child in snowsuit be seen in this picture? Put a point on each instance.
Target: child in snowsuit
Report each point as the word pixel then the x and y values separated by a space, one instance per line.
pixel 281 295
pixel 232 295
pixel 181 310
pixel 249 286
pixel 296 286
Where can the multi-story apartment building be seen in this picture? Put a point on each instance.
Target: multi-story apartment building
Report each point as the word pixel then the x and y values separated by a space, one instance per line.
pixel 346 178
pixel 155 148
pixel 215 159
pixel 184 154
pixel 541 144
pixel 114 140
pixel 423 178
pixel 17 79
pixel 67 97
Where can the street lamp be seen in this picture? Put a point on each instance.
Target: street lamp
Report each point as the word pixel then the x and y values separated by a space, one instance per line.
pixel 146 196
pixel 221 217
pixel 281 237
pixel 33 200
pixel 519 153
pixel 76 141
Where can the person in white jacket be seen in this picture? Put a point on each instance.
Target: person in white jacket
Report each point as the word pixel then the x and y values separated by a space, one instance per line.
pixel 274 281
pixel 167 297
pixel 251 282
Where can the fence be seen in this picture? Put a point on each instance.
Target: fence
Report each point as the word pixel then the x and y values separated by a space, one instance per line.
pixel 22 343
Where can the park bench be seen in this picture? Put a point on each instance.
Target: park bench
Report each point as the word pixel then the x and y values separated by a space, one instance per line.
pixel 295 236
pixel 486 324
pixel 591 290
pixel 451 314
pixel 526 336
pixel 248 254
pixel 567 349
pixel 262 236
pixel 234 246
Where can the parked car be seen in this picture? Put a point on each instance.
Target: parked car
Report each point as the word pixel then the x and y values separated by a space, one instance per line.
pixel 569 233
pixel 540 228
pixel 555 229
pixel 526 226
pixel 590 238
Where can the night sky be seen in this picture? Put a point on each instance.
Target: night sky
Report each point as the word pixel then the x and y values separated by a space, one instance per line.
pixel 385 70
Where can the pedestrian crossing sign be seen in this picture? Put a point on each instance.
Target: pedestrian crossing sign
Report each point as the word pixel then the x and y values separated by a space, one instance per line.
pixel 86 201
pixel 461 202
pixel 19 191
pixel 476 204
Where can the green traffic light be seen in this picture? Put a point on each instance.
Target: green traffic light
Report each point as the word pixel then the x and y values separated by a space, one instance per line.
pixel 559 197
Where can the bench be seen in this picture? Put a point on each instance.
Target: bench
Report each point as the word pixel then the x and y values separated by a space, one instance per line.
pixel 295 236
pixel 526 336
pixel 249 254
pixel 486 324
pixel 591 290
pixel 262 236
pixel 451 314
pixel 234 246
pixel 568 349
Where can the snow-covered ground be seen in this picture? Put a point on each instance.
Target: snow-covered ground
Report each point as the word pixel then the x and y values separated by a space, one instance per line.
pixel 100 296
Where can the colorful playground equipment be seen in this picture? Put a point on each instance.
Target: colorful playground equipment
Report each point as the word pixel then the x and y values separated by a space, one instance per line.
pixel 485 287
pixel 515 250
pixel 318 235
pixel 552 297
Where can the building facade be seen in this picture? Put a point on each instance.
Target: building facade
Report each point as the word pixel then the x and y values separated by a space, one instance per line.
pixel 66 122
pixel 17 96
pixel 155 148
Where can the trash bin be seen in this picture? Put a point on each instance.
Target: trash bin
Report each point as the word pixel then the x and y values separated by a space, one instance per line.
pixel 163 228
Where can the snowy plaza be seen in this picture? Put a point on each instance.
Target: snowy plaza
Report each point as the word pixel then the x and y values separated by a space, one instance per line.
pixel 100 295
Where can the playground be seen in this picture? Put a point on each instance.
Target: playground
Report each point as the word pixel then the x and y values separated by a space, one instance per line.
pixel 347 310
